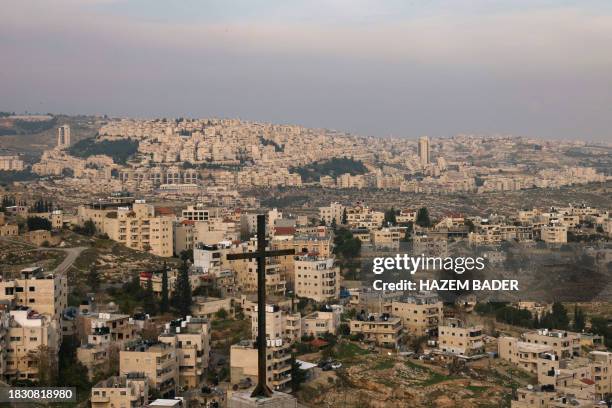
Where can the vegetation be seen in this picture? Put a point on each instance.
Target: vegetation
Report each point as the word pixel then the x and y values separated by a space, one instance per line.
pixel 422 218
pixel 93 278
pixel 333 167
pixel 27 127
pixel 164 304
pixel 119 150
pixel 12 176
pixel 269 142
pixel 88 228
pixel 346 245
pixel 182 299
pixel 38 223
pixel 149 303
pixel 42 206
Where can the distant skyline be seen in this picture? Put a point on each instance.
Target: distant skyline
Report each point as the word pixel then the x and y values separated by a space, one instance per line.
pixel 537 68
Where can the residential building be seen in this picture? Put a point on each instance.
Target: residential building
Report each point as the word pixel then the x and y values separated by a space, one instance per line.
pixel 129 391
pixel 420 313
pixel 382 330
pixel 455 337
pixel 158 361
pixel 316 278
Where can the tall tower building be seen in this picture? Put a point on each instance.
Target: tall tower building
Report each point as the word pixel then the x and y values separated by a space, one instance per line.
pixel 424 150
pixel 63 136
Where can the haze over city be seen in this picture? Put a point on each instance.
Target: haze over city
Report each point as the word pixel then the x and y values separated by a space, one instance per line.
pixel 531 68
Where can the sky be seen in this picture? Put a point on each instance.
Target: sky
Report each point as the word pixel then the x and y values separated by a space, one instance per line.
pixel 406 68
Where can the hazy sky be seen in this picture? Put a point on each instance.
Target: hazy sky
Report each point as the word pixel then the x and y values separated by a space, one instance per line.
pixel 374 67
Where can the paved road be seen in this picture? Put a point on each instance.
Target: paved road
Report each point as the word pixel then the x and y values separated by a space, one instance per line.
pixel 71 254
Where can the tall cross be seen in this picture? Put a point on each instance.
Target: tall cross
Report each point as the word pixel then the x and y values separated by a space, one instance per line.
pixel 260 254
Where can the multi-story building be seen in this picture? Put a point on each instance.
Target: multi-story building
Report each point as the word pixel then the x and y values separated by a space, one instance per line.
pixel 243 363
pixel 34 339
pixel 530 357
pixel 158 361
pixel 554 234
pixel 11 163
pixel 420 313
pixel 280 324
pixel 191 339
pixel 63 136
pixel 383 330
pixel 318 324
pixel 142 227
pixel 332 213
pixel 565 344
pixel 316 278
pixel 386 238
pixel 128 391
pixel 455 337
pixel 5 319
pixel 601 371
pixel 424 151
pixel 46 293
pixel 430 245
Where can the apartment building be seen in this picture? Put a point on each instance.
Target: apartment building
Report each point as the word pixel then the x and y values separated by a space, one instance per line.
pixel 332 213
pixel 455 337
pixel 531 357
pixel 565 344
pixel 43 292
pixel 97 211
pixel 243 363
pixel 554 234
pixel 386 238
pixel 430 245
pixel 183 233
pixel 601 371
pixel 382 330
pixel 280 324
pixel 200 212
pixel 318 324
pixel 316 241
pixel 363 216
pixel 191 339
pixel 420 313
pixel 142 227
pixel 33 337
pixel 316 278
pixel 157 361
pixel 129 391
pixel 11 163
pixel 102 334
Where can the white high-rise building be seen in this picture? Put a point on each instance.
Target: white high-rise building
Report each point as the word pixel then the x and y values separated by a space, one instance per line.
pixel 63 136
pixel 424 150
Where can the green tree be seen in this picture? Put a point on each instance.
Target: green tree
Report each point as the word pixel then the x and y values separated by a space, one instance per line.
pixel 579 320
pixel 38 223
pixel 182 299
pixel 298 376
pixel 344 220
pixel 93 278
pixel 422 219
pixel 408 232
pixel 221 314
pixel 164 303
pixel 390 217
pixel 334 225
pixel 149 304
pixel 187 255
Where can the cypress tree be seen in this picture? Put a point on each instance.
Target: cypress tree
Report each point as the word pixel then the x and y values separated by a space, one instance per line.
pixel 182 291
pixel 164 306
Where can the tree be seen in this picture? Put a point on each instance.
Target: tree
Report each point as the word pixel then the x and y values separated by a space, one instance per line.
pixel 221 314
pixel 164 303
pixel 408 232
pixel 557 318
pixel 298 376
pixel 182 291
pixel 390 217
pixel 470 225
pixel 422 219
pixel 149 304
pixel 93 278
pixel 334 224
pixel 579 320
pixel 187 255
pixel 344 219
pixel 38 223
pixel 322 222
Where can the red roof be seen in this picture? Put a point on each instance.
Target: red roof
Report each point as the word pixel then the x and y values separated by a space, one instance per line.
pixel 164 211
pixel 318 342
pixel 587 381
pixel 188 222
pixel 284 230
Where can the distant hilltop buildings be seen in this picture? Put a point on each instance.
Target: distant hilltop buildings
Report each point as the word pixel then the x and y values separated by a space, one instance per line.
pixel 182 156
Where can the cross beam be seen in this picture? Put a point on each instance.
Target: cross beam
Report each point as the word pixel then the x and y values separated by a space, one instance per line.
pixel 262 389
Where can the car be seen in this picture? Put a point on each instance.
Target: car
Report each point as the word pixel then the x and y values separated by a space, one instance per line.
pixel 336 365
pixel 327 367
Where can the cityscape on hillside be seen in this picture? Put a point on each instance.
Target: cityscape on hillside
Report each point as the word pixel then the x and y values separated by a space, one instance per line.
pixel 306 204
pixel 117 266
